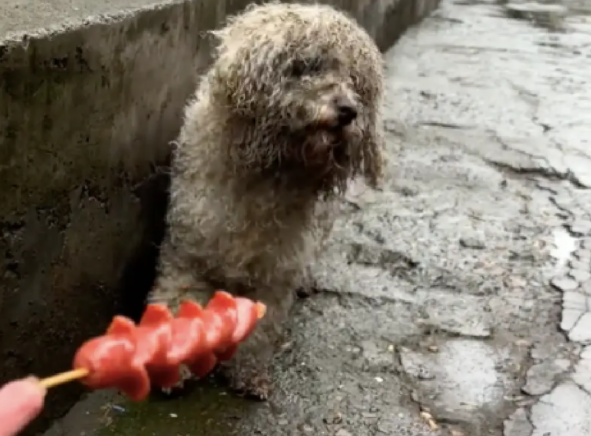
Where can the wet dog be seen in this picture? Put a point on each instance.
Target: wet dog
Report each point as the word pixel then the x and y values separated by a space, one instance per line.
pixel 287 114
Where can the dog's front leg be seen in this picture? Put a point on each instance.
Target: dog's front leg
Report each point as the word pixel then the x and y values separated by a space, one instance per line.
pixel 250 370
pixel 325 216
pixel 178 280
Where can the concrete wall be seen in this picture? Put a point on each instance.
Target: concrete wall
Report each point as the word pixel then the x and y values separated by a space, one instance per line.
pixel 86 113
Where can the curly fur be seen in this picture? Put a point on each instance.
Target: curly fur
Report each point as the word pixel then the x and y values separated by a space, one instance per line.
pixel 261 159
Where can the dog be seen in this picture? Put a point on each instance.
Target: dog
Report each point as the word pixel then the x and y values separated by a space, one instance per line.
pixel 287 114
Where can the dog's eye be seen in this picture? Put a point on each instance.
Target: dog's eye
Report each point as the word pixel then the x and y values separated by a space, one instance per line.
pixel 314 66
pixel 297 69
pixel 300 68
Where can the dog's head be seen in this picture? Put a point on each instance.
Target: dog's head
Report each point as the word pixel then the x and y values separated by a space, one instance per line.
pixel 297 74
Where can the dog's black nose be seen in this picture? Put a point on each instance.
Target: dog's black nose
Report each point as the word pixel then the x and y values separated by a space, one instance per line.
pixel 346 111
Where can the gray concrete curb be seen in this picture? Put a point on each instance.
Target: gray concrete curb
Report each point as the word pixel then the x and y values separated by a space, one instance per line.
pixel 86 113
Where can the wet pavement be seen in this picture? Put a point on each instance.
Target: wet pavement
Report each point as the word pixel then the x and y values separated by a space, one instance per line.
pixel 457 301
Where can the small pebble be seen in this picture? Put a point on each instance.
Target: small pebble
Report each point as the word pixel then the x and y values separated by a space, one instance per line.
pixel 343 432
pixel 173 415
pixel 379 379
pixel 517 282
pixel 425 374
pixel 430 420
pixel 337 418
pixel 472 242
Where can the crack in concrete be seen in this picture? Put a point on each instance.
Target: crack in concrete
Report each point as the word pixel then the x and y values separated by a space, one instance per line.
pixel 546 173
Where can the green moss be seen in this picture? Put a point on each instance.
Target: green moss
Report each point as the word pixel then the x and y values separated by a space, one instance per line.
pixel 207 410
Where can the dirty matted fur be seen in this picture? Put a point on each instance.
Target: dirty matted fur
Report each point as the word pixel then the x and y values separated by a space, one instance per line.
pixel 287 114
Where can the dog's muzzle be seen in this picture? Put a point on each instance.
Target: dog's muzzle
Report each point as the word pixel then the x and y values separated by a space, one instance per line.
pixel 339 113
pixel 345 110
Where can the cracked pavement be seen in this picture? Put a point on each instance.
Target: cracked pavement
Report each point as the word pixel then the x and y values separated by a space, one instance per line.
pixel 457 300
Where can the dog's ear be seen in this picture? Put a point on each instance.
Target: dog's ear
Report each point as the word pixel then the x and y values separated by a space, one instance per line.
pixel 373 165
pixel 244 73
pixel 374 162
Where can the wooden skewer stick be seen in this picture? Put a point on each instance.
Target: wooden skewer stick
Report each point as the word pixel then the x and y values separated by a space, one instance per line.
pixel 64 377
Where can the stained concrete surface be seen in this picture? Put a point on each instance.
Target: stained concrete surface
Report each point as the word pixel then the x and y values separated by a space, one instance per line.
pixel 460 293
pixel 90 97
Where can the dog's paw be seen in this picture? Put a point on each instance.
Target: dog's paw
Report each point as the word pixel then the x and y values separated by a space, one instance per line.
pixel 248 373
pixel 180 387
pixel 252 382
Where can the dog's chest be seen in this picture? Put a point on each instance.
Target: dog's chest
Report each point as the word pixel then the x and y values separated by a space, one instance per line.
pixel 265 254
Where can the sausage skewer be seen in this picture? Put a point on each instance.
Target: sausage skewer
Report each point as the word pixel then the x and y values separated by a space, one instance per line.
pixel 64 377
pixel 131 357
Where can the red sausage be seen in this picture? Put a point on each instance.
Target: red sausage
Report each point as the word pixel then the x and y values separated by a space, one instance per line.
pixel 131 357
